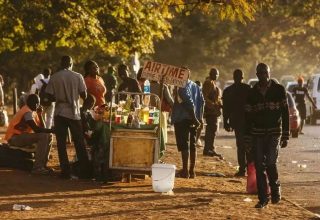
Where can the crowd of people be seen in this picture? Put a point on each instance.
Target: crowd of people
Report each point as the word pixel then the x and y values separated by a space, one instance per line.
pixel 258 116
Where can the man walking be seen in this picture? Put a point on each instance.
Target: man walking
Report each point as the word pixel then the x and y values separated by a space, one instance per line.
pixel 67 86
pixel 234 99
pixel 187 113
pixel 299 93
pixel 212 111
pixel 267 118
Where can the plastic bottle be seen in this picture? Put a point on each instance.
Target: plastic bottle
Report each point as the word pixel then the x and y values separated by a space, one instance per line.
pixel 156 116
pixel 18 207
pixel 146 86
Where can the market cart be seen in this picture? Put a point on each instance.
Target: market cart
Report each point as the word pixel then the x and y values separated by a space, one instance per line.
pixel 135 133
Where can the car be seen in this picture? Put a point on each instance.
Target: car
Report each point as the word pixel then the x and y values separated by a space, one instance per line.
pixel 313 86
pixel 294 117
pixel 252 82
pixel 285 79
pixel 290 86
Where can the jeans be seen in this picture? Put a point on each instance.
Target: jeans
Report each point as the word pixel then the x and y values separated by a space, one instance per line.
pixel 61 126
pixel 266 150
pixel 43 142
pixel 241 151
pixel 210 133
pixel 185 135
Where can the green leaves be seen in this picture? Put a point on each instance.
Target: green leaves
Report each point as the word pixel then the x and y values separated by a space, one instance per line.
pixel 115 26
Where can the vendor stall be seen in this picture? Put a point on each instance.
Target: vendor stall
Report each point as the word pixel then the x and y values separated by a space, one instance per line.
pixel 135 133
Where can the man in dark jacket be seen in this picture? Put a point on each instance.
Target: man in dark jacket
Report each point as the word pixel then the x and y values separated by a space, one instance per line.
pixel 267 121
pixel 234 98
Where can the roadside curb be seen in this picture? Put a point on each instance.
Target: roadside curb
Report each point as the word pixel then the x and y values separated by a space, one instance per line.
pixel 317 216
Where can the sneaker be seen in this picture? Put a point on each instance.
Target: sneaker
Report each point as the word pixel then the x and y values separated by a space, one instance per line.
pixel 301 132
pixel 40 171
pixel 275 199
pixel 212 154
pixel 261 205
pixel 183 174
pixel 240 174
pixel 192 174
pixel 199 143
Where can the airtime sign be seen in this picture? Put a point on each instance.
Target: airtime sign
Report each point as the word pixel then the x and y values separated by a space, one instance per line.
pixel 172 75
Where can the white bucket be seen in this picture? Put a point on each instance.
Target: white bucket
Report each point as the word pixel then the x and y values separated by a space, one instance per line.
pixel 163 177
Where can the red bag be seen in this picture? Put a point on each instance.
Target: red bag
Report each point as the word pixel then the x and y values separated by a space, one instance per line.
pixel 252 180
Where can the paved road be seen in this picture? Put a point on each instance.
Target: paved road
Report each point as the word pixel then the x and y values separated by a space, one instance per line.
pixel 299 166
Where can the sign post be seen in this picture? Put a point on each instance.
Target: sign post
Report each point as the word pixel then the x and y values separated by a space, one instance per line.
pixel 171 75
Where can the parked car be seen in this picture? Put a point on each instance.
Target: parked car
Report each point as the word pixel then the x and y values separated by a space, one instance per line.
pixel 252 82
pixel 285 79
pixel 294 117
pixel 313 86
pixel 291 85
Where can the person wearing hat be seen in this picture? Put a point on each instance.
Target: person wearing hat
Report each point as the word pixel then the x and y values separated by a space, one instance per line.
pixel 299 93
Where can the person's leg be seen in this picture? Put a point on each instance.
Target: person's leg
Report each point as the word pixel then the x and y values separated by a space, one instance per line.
pixel 78 138
pixel 61 128
pixel 259 156
pixel 210 133
pixel 241 153
pixel 272 171
pixel 163 125
pixel 193 152
pixel 182 135
pixel 198 135
pixel 43 144
pixel 303 114
pixel 49 115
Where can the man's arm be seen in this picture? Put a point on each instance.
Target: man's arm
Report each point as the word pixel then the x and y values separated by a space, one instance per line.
pixel 83 95
pixel 226 109
pixel 206 91
pixel 136 86
pixel 37 129
pixel 285 119
pixel 310 99
pixel 185 95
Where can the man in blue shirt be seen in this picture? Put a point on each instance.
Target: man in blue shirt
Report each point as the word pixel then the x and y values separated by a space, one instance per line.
pixel 187 115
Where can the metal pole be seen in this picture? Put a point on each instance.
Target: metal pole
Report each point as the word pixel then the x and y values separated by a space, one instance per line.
pixel 15 99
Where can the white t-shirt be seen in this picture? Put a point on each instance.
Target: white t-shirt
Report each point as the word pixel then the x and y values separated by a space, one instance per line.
pixel 66 86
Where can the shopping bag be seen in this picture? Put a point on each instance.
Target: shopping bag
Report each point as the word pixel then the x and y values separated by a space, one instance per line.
pixel 252 180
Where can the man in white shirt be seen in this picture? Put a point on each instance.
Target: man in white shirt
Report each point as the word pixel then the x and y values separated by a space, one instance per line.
pixel 66 87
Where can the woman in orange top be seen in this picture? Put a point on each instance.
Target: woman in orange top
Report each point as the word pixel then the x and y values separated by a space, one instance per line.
pixel 94 83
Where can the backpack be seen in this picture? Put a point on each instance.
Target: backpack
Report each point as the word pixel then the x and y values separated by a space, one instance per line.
pixel 44 97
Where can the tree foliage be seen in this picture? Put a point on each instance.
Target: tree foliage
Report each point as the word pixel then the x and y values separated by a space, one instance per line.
pixel 284 35
pixel 117 27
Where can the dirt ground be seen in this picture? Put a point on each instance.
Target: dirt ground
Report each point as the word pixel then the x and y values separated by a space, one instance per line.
pixel 202 198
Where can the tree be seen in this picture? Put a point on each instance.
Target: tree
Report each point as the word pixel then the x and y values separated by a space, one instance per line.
pixel 114 26
pixel 282 35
